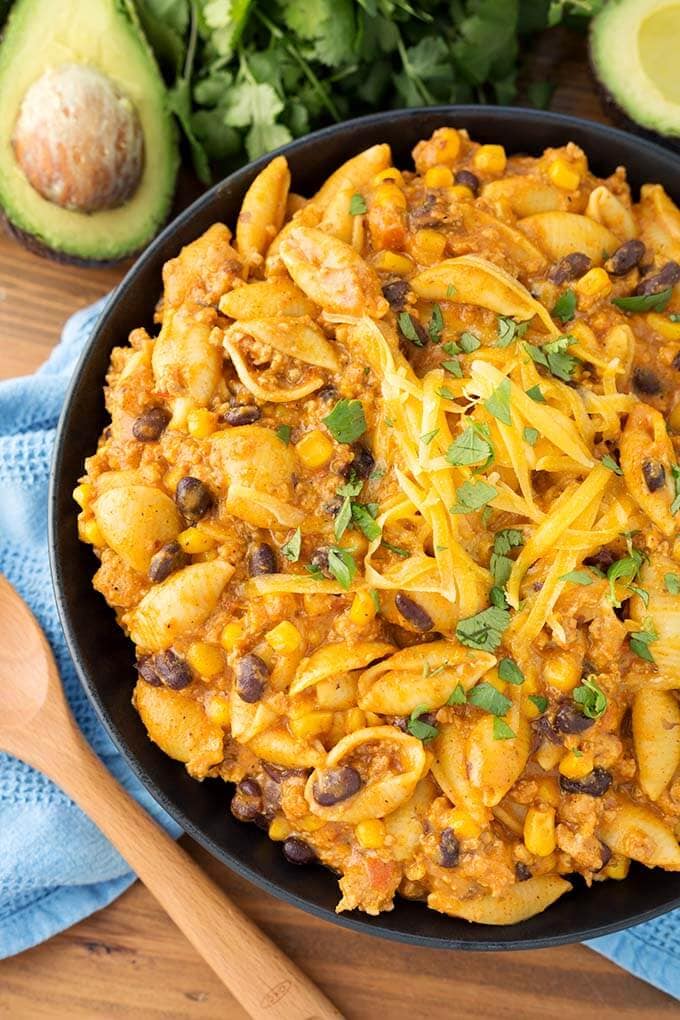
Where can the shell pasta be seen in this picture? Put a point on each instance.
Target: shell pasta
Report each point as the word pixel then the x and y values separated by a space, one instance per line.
pixel 389 506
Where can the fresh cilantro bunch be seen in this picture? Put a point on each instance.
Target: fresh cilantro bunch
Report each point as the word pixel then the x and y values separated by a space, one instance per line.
pixel 247 76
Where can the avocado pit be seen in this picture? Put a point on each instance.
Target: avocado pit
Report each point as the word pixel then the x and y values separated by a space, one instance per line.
pixel 78 139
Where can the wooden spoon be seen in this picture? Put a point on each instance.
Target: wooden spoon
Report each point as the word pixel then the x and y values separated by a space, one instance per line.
pixel 36 725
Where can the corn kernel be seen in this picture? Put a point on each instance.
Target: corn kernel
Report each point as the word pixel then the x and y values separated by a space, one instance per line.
pixel 548 790
pixel 529 710
pixel 311 724
pixel 83 494
pixel 393 262
pixel 90 531
pixel 595 283
pixel 490 159
pixel 439 176
pixel 447 145
pixel 315 449
pixel 463 825
pixel 284 637
pixel 618 867
pixel 363 608
pixel 561 670
pixel 354 720
pixel 207 659
pixel 231 635
pixel 279 829
pixel 389 194
pixel 563 175
pixel 192 540
pixel 390 174
pixel 201 423
pixel 461 193
pixel 428 246
pixel 310 823
pixel 355 542
pixel 661 324
pixel 576 766
pixel 539 831
pixel 370 833
pixel 218 710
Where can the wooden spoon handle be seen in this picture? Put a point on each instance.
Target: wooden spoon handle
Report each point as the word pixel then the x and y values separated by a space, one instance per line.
pixel 256 972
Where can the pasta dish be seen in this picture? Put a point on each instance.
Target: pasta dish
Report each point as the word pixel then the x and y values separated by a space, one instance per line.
pixel 390 509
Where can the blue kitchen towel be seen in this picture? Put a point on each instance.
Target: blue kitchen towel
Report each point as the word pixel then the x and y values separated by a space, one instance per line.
pixel 55 867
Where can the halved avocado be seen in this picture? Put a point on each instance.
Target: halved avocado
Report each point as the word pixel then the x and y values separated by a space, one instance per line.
pixel 634 56
pixel 88 147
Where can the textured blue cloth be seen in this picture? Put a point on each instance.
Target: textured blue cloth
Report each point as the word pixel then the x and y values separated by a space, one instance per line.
pixel 55 867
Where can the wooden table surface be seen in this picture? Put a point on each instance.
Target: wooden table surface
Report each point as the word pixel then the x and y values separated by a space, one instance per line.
pixel 129 961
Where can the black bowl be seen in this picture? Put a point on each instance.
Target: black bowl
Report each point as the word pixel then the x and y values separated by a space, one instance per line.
pixel 103 656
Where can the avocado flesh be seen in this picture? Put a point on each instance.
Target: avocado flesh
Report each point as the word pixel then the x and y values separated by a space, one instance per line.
pixel 633 48
pixel 103 34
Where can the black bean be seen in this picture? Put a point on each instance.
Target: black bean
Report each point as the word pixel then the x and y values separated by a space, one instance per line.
pixel 172 669
pixel 602 559
pixel 667 276
pixel 626 724
pixel 646 381
pixel 262 560
pixel 469 179
pixel 568 719
pixel 327 393
pixel 522 873
pixel 249 787
pixel 271 797
pixel 297 851
pixel 675 363
pixel 625 258
pixel 251 675
pixel 420 331
pixel 335 785
pixel 449 849
pixel 545 731
pixel 333 506
pixel 396 293
pixel 319 561
pixel 245 414
pixel 595 784
pixel 606 854
pixel 363 462
pixel 654 475
pixel 193 498
pixel 571 267
pixel 147 671
pixel 151 424
pixel 278 774
pixel 415 614
pixel 169 558
pixel 244 808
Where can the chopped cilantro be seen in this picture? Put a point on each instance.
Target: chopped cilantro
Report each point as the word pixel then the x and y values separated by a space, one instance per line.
pixel 640 640
pixel 408 329
pixel 364 519
pixel 501 730
pixel 451 291
pixel 675 472
pixel 472 496
pixel 291 548
pixel 471 447
pixel 343 518
pixel 565 306
pixel 435 326
pixel 509 671
pixel 644 302
pixel 375 599
pixel 591 699
pixel 428 437
pixel 555 357
pixel 445 393
pixel 454 367
pixel 357 205
pixel 531 436
pixel 284 433
pixel 534 393
pixel 609 462
pixel 346 422
pixel 486 697
pixel 457 696
pixel 672 582
pixel 539 701
pixel 625 569
pixel 483 630
pixel 342 566
pixel 498 403
pixel 397 550
pixel 509 330
pixel 469 342
pixel 500 564
pixel 581 577
pixel 417 728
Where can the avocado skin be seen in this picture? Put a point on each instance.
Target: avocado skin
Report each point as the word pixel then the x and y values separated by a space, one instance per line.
pixel 39 231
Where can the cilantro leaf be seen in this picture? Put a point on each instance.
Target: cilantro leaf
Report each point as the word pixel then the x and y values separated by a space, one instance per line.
pixel 501 730
pixel 363 518
pixel 531 436
pixel 471 447
pixel 675 472
pixel 609 462
pixel 534 393
pixel 500 563
pixel 418 728
pixel 625 569
pixel 644 302
pixel 485 696
pixel 357 205
pixel 484 630
pixel 408 329
pixel 640 640
pixel 291 548
pixel 342 566
pixel 343 519
pixel 498 404
pixel 284 433
pixel 469 342
pixel 472 496
pixel 509 330
pixel 397 550
pixel 539 701
pixel 555 357
pixel 427 438
pixel 591 699
pixel 581 577
pixel 346 422
pixel 509 671
pixel 672 583
pixel 457 696
pixel 435 326
pixel 565 306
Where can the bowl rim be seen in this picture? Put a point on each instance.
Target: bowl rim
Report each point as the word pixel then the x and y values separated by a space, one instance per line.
pixel 353 921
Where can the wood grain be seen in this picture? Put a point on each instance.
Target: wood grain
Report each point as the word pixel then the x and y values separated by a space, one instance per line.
pixel 129 961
